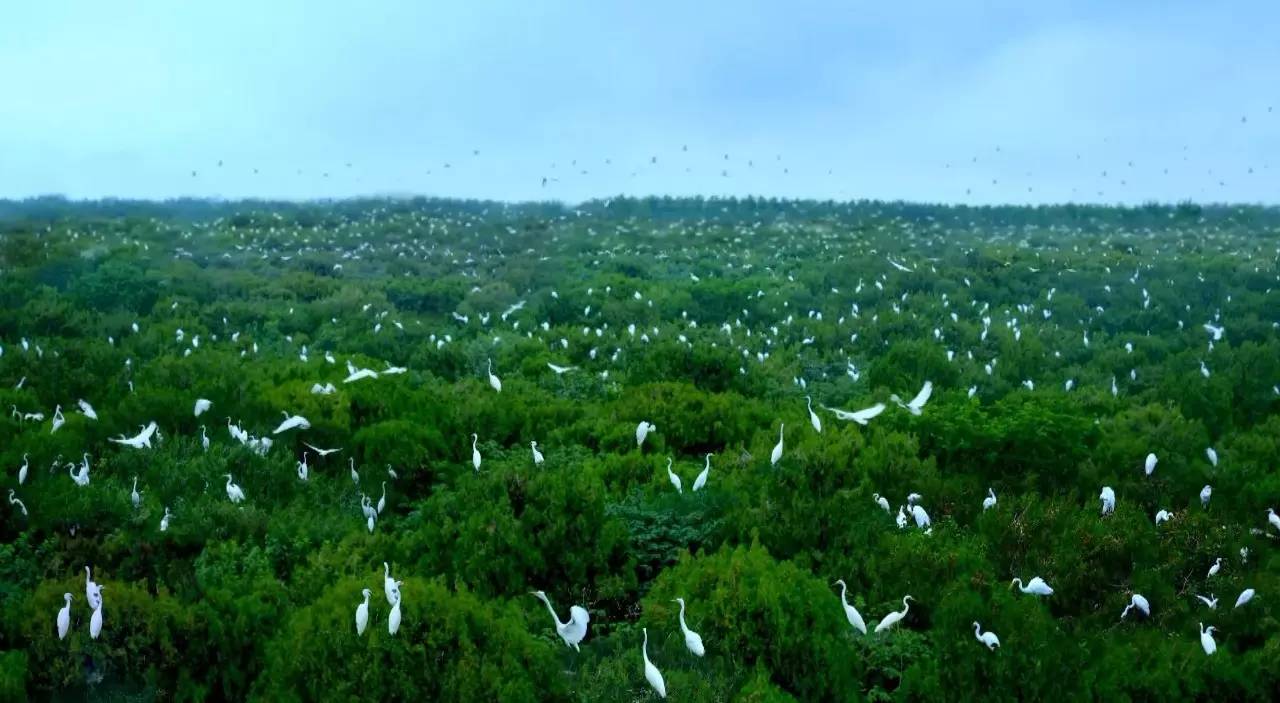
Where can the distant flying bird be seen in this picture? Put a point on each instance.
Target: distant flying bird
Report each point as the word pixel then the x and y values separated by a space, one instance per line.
pixel 861 416
pixel 292 422
pixel 560 370
pixel 321 452
pixel 916 406
pixel 201 406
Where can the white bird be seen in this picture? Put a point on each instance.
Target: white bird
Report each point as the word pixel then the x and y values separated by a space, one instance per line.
pixel 87 410
pixel 651 672
pixel 987 638
pixel 1272 518
pixel 18 502
pixel 95 622
pixel 390 586
pixel 1216 332
pixel 916 406
pixel 1139 602
pixel 776 456
pixel 901 519
pixel 1245 596
pixel 234 494
pixel 64 617
pixel 1162 516
pixel 860 416
pixel 560 370
pixel 675 480
pixel 135 497
pixel 292 422
pixel 1211 601
pixel 850 612
pixel 1150 465
pixel 140 440
pixel 1213 570
pixel 692 640
pixel 82 477
pixel 382 502
pixel 537 455
pixel 813 417
pixel 494 382
pixel 1036 586
pixel 1205 494
pixel 201 406
pixel 393 620
pixel 164 521
pixel 894 617
pixel 362 613
pixel 22 470
pixel 880 501
pixel 701 481
pixel 1206 639
pixel 1212 454
pixel 573 631
pixel 1108 498
pixel 642 430
pixel 322 452
pixel 58 420
pixel 303 470
pixel 204 439
pixel 990 501
pixel 92 591
pixel 922 518
pixel 475 453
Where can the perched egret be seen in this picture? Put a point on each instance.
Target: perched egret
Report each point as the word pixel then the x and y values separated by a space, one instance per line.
pixel 1212 454
pixel 675 480
pixel 1245 596
pixel 22 470
pixel 921 517
pixel 92 591
pixel 164 521
pixel 1036 586
pixel 990 501
pixel 1213 570
pixel 494 381
pixel 475 453
pixel 1205 494
pixel 1206 639
pixel 64 617
pixel 382 502
pixel 642 430
pixel 776 456
pixel 355 475
pixel 1139 602
pixel 573 631
pixel 987 638
pixel 18 502
pixel 916 406
pixel 894 617
pixel 537 455
pixel 362 613
pixel 813 417
pixel 95 621
pixel 393 620
pixel 1108 498
pixel 692 640
pixel 135 497
pixel 880 501
pixel 1272 518
pixel 234 494
pixel 201 406
pixel 851 613
pixel 901 519
pixel 650 671
pixel 390 586
pixel 701 481
pixel 1150 465
pixel 1162 516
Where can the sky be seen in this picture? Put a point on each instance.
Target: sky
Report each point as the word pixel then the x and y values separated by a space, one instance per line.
pixel 1010 102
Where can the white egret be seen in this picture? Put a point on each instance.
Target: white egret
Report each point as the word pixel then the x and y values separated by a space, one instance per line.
pixel 987 638
pixel 813 417
pixel 92 591
pixel 1205 494
pixel 1108 498
pixel 573 631
pixel 82 477
pixel 291 422
pixel 58 420
pixel 921 517
pixel 390 586
pixel 322 452
pixel 880 501
pixel 87 410
pixel 18 502
pixel 304 471
pixel 64 617
pixel 916 406
pixel 990 501
pixel 1212 454
pixel 701 481
pixel 201 406
pixel 776 456
pixel 95 621
pixel 22 470
pixel 1272 518
pixel 355 476
pixel 651 672
pixel 537 455
pixel 675 480
pixel 642 430
pixel 1245 596
pixel 560 370
pixel 894 617
pixel 494 382
pixel 1036 586
pixel 1213 570
pixel 164 521
pixel 475 453
pixel 1139 602
pixel 234 494
pixel 362 613
pixel 1162 516
pixel 851 613
pixel 901 519
pixel 1211 601
pixel 860 416
pixel 393 620
pixel 382 502
pixel 1150 465
pixel 692 640
pixel 204 439
pixel 135 497
pixel 1206 639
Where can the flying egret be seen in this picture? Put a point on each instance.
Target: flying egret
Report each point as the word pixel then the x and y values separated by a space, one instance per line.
pixel 362 613
pixel 1211 601
pixel 1245 596
pixel 201 406
pixel 560 370
pixel 650 671
pixel 1139 602
pixel 894 617
pixel 393 620
pixel 813 417
pixel 776 456
pixel 291 422
pixel 880 501
pixel 1206 639
pixel 701 481
pixel 1150 465
pixel 860 416
pixel 642 430
pixel 475 453
pixel 322 452
pixel 573 631
pixel 987 638
pixel 537 455
pixel 990 501
pixel 234 494
pixel 1108 498
pixel 692 640
pixel 1036 586
pixel 850 612
pixel 494 382
pixel 675 480
pixel 916 406
pixel 64 617
pixel 390 586
pixel 1213 570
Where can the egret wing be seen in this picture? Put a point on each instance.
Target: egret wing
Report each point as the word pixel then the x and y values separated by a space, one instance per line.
pixel 923 396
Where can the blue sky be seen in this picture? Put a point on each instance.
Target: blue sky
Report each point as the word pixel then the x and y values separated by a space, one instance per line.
pixel 1012 102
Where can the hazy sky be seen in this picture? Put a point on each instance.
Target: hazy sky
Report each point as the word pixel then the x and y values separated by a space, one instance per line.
pixel 912 100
